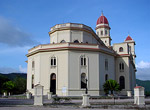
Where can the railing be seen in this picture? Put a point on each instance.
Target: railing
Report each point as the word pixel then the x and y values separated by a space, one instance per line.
pixel 70 25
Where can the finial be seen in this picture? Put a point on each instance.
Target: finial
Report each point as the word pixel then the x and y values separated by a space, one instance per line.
pixel 128 33
pixel 102 13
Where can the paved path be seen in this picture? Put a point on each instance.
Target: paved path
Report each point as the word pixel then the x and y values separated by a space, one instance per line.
pixel 27 104
pixel 47 108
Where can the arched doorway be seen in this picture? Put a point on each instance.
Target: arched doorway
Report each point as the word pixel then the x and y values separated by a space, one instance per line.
pixel 83 81
pixel 106 77
pixel 122 82
pixel 76 41
pixel 53 83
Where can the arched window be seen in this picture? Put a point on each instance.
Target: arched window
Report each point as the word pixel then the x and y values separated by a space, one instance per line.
pixel 121 67
pixel 33 64
pixel 106 64
pixel 83 81
pixel 122 82
pixel 63 41
pixel 106 77
pixel 120 49
pixel 53 61
pixel 83 61
pixel 32 81
pixel 76 41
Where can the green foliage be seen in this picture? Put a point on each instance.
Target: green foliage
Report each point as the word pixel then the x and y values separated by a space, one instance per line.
pixel 147 93
pixel 17 85
pixel 8 86
pixel 3 79
pixel 12 76
pixel 20 85
pixel 144 84
pixel 111 85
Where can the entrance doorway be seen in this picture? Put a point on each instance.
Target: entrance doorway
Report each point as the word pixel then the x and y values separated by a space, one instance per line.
pixel 53 83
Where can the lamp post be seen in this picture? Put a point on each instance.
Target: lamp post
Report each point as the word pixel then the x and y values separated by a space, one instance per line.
pixel 86 97
pixel 86 89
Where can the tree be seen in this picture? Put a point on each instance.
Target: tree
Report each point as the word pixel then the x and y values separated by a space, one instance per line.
pixel 8 86
pixel 20 85
pixel 3 79
pixel 111 85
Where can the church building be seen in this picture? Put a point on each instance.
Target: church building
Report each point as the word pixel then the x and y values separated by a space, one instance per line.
pixel 76 54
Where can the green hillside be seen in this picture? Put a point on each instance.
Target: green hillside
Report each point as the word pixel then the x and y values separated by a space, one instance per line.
pixel 12 76
pixel 145 84
pixel 15 83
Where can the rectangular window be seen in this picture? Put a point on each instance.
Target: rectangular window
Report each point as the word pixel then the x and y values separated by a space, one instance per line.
pixel 32 81
pixel 106 64
pixel 84 61
pixel 98 33
pixel 81 61
pixel 101 32
pixel 121 67
pixel 53 61
pixel 105 32
pixel 33 65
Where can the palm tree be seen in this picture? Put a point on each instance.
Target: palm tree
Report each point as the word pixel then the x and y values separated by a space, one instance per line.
pixel 111 85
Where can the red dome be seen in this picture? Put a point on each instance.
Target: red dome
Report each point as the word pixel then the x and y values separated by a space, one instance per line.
pixel 102 20
pixel 128 38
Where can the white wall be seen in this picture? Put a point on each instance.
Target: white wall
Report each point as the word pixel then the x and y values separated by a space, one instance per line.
pixel 71 36
pixel 103 72
pixel 91 70
pixel 123 45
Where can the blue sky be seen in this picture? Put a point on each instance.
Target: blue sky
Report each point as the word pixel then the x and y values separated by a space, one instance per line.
pixel 26 23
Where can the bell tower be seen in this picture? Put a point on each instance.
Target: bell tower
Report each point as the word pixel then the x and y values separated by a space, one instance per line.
pixel 103 30
pixel 131 46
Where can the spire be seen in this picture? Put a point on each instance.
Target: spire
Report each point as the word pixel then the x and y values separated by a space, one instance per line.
pixel 128 33
pixel 129 38
pixel 102 13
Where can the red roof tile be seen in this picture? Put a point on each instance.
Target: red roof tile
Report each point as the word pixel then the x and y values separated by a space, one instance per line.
pixel 128 38
pixel 138 86
pixel 102 20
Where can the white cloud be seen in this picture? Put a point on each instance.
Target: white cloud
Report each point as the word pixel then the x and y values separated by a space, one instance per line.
pixel 8 70
pixel 143 64
pixel 22 70
pixel 143 73
pixel 143 70
pixel 14 36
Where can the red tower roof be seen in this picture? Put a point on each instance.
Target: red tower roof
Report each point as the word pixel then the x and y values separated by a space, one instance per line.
pixel 102 20
pixel 138 86
pixel 128 38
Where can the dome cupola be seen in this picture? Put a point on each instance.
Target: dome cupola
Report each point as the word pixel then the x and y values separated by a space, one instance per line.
pixel 102 20
pixel 103 30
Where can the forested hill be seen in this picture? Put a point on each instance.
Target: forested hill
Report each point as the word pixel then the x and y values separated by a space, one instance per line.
pixel 145 84
pixel 12 76
pixel 14 83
